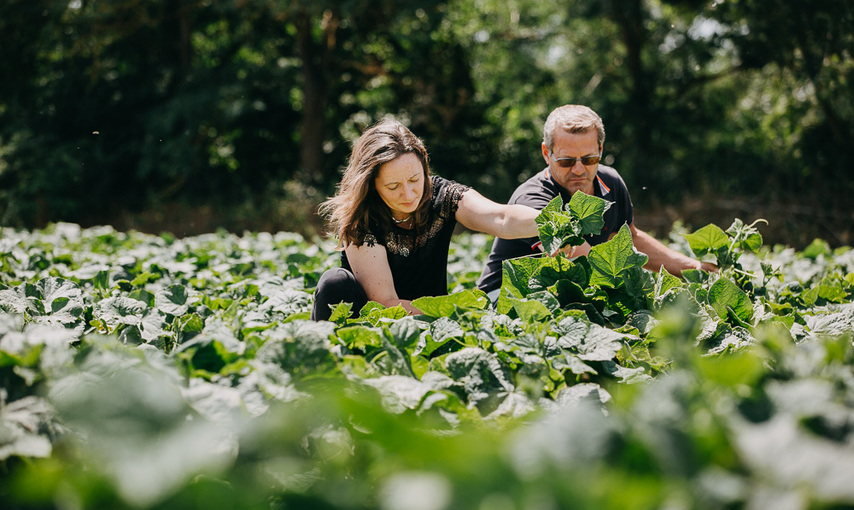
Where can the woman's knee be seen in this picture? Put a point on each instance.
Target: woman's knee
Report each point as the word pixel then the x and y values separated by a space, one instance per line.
pixel 337 285
pixel 335 278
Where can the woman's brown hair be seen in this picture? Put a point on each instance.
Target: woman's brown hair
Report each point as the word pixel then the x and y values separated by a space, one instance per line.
pixel 356 202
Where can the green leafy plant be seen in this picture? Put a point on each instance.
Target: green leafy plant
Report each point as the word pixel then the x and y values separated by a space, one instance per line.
pixel 141 372
pixel 562 225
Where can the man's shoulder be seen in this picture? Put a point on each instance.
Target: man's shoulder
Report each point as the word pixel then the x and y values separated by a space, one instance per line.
pixel 538 186
pixel 609 174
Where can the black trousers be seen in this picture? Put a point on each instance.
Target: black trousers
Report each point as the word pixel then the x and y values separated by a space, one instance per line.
pixel 337 285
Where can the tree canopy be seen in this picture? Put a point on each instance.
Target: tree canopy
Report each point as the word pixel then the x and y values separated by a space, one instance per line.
pixel 125 106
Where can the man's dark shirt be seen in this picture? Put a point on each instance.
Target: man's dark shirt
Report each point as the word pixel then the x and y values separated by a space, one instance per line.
pixel 537 192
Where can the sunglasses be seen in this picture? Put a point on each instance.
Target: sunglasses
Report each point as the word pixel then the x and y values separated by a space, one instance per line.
pixel 570 162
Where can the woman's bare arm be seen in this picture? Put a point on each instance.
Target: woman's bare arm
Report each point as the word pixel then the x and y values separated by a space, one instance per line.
pixel 481 214
pixel 371 269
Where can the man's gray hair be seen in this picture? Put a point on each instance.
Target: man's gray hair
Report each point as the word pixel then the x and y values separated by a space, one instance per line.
pixel 575 119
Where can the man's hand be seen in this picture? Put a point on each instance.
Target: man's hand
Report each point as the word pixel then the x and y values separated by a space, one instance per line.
pixel 574 251
pixel 706 266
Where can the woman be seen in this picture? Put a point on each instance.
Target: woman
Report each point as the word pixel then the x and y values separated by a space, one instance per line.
pixel 394 222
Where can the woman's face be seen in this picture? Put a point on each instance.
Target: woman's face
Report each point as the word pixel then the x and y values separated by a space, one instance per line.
pixel 400 183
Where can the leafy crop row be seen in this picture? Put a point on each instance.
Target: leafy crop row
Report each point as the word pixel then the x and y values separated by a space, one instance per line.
pixel 154 372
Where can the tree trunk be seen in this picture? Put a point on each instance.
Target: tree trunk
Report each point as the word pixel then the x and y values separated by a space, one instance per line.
pixel 316 85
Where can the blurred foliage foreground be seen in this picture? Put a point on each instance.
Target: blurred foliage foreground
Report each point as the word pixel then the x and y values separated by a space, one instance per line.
pixel 152 372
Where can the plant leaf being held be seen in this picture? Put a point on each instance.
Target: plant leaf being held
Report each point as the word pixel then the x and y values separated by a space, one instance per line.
pixel 560 225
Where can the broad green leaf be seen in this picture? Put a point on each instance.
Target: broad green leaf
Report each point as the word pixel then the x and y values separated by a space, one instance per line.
pixel 188 326
pixel 546 298
pixel 556 227
pixel 210 355
pixel 590 342
pixel 152 325
pixel 341 312
pixel 143 296
pixel 24 423
pixel 405 332
pixel 590 212
pixel 818 247
pixel 396 361
pixel 445 306
pixel 286 301
pixel 810 297
pixel 725 295
pixel 561 225
pixel 400 393
pixel 517 273
pixel 480 374
pixel 553 269
pixel 664 283
pixel 51 289
pixel 834 324
pixel 529 310
pixel 376 313
pixel 708 239
pixel 568 292
pixel 173 300
pixel 301 348
pixel 696 276
pixel 573 363
pixel 609 261
pixel 223 332
pixel 14 301
pixel 143 278
pixel 138 425
pixel 639 285
pixel 55 297
pixel 360 337
pixel 831 290
pixel 119 310
pixel 441 331
pixel 753 243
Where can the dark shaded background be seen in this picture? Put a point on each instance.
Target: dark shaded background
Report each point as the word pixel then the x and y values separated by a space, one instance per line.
pixel 191 116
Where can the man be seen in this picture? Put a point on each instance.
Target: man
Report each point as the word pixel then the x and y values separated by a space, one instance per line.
pixel 573 137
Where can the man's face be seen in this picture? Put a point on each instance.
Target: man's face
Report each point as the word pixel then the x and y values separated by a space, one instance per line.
pixel 578 177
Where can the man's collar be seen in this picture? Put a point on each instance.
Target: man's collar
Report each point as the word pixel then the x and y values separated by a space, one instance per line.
pixel 604 190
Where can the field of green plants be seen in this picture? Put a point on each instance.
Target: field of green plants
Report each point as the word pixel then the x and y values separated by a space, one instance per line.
pixel 143 371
